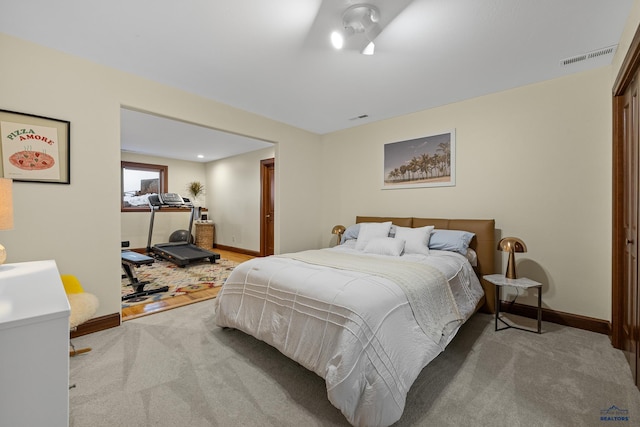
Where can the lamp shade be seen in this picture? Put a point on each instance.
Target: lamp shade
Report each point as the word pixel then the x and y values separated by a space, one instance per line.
pixel 6 204
pixel 511 245
pixel 338 229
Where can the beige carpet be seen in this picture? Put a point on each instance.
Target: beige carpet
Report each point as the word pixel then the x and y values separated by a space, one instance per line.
pixel 192 278
pixel 177 368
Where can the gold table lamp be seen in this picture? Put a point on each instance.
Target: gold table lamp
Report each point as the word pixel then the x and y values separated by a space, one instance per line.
pixel 511 245
pixel 338 230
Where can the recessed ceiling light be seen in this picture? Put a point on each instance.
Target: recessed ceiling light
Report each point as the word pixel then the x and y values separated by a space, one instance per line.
pixel 200 156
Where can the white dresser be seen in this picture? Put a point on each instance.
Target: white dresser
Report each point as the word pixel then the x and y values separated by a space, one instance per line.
pixel 34 346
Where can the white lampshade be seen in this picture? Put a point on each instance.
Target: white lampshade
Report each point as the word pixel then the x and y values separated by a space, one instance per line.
pixel 6 204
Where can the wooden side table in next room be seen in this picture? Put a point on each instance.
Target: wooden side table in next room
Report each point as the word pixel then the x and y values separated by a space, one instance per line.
pixel 499 280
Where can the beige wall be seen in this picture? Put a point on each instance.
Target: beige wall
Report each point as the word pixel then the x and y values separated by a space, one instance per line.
pixel 79 225
pixel 234 198
pixel 537 159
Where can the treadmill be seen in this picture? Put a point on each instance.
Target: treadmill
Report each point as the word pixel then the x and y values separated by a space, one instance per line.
pixel 179 253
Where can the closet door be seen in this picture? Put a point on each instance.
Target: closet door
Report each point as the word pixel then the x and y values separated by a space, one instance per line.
pixel 630 312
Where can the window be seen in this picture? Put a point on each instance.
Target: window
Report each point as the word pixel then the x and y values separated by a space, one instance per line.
pixel 137 181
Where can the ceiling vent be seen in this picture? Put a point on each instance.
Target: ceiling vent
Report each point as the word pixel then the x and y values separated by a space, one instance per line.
pixel 605 51
pixel 360 117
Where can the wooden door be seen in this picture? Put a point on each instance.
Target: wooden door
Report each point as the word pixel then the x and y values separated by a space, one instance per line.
pixel 267 206
pixel 629 303
pixel 625 295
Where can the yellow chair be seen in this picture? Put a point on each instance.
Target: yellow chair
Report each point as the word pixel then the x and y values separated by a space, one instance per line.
pixel 83 306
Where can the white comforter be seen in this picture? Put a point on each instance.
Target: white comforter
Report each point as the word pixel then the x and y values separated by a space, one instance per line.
pixel 355 329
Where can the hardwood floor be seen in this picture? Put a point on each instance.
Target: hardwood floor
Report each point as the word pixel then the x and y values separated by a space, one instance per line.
pixel 140 310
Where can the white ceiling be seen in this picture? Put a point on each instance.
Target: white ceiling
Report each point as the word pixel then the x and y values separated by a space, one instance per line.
pixel 274 57
pixel 159 136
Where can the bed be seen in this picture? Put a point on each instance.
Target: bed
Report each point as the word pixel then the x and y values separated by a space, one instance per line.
pixel 369 314
pixel 133 199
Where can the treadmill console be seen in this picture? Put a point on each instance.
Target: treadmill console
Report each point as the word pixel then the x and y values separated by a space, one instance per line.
pixel 171 199
pixel 154 200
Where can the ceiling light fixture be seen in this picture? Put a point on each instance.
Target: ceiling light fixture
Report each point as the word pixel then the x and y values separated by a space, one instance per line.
pixel 360 27
pixel 337 40
pixel 369 49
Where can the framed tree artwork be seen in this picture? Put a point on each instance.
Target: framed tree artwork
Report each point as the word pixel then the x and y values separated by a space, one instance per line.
pixel 428 161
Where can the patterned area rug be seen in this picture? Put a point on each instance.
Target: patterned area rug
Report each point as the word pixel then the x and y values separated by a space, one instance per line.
pixel 191 278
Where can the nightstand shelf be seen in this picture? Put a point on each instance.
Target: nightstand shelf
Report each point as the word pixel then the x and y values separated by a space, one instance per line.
pixel 499 280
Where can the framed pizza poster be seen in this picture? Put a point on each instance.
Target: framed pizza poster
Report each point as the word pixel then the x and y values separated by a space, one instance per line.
pixel 34 148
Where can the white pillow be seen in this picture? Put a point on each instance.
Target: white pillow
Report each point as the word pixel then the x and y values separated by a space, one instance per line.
pixel 371 230
pixel 416 239
pixel 385 246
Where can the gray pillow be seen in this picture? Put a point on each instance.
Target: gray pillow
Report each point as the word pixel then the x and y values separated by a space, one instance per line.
pixel 351 233
pixel 450 240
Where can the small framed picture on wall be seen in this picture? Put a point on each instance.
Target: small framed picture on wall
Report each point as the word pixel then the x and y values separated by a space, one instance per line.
pixel 34 148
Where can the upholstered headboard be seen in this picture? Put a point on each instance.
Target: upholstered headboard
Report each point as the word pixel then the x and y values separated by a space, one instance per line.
pixel 483 243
